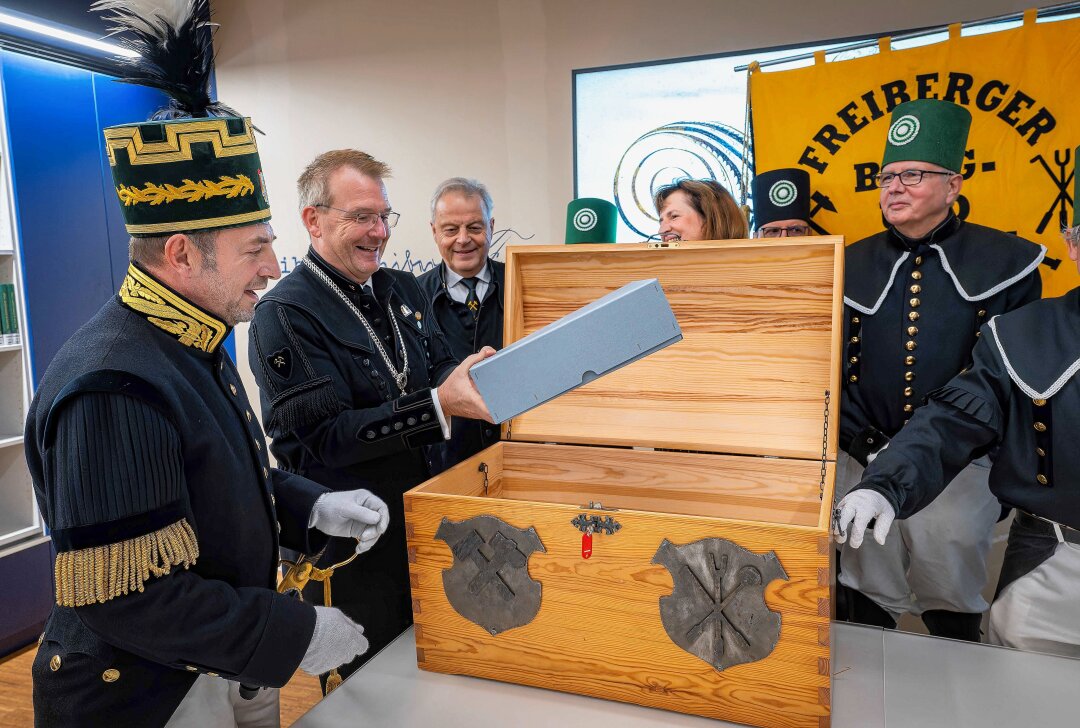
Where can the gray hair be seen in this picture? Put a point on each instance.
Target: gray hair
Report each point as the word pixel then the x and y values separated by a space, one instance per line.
pixel 150 251
pixel 466 187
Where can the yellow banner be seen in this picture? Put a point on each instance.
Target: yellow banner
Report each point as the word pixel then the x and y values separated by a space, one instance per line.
pixel 1022 87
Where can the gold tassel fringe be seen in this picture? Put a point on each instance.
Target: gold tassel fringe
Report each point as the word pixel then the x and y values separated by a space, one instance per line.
pixel 96 575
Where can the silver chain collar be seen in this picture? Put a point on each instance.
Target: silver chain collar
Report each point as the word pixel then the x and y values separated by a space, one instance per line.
pixel 402 377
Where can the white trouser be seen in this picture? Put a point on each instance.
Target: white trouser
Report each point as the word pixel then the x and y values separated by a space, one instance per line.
pixel 934 560
pixel 1040 611
pixel 213 702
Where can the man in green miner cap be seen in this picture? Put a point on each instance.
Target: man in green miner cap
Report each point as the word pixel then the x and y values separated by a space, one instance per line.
pixel 1020 398
pixel 916 295
pixel 149 464
pixel 781 203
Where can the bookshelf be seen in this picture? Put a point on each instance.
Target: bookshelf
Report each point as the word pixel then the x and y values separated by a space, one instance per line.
pixel 20 523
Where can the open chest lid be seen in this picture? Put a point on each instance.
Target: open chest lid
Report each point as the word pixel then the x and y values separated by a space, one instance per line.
pixel 761 347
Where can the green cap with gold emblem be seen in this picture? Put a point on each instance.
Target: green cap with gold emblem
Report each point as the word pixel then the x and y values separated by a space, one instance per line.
pixel 928 130
pixel 195 165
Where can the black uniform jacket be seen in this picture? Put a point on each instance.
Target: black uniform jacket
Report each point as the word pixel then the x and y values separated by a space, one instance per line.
pixel 150 469
pixel 466 334
pixel 336 415
pixel 912 313
pixel 1021 400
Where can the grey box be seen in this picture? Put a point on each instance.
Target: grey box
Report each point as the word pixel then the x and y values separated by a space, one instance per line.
pixel 611 332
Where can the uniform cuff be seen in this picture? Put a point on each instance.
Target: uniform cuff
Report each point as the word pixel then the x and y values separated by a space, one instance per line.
pixel 443 421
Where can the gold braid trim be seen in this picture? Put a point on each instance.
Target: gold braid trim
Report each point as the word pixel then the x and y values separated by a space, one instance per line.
pixel 168 311
pixel 189 191
pixel 96 575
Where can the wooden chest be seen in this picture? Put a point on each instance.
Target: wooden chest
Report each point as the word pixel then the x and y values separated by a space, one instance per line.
pixel 703 476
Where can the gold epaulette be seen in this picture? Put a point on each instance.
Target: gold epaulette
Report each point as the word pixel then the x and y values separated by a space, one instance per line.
pixel 96 575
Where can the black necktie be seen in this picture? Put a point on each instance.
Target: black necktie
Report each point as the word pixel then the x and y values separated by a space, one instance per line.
pixel 471 300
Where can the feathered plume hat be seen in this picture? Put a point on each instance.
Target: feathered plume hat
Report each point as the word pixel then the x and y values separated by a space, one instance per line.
pixel 194 165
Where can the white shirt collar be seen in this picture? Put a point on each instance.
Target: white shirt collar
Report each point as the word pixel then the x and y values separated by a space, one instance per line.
pixel 452 278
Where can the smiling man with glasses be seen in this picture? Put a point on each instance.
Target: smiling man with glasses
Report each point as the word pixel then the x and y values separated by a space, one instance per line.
pixel 916 295
pixel 356 378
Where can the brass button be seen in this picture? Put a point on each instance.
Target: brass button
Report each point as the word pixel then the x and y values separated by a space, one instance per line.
pixel 192 668
pixel 909 360
pixel 1039 402
pixel 273 500
pixel 853 378
pixel 111 675
pixel 1042 479
pixel 908 376
pixel 907 391
pixel 855 319
pixel 915 288
pixel 54 663
pixel 978 334
pixel 1040 452
pixel 916 275
pixel 910 346
pixel 918 260
pixel 212 674
pixel 852 360
pixel 982 312
pixel 914 302
pixel 248 415
pixel 232 388
pixel 1040 427
pixel 913 316
pixel 908 408
pixel 266 473
pixel 854 339
pixel 912 330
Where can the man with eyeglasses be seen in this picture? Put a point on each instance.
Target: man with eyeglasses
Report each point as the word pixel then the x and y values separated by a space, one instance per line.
pixel 356 378
pixel 916 296
pixel 1021 398
pixel 466 293
pixel 782 203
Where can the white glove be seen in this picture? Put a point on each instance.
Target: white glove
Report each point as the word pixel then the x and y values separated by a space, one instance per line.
pixel 336 640
pixel 352 513
pixel 858 508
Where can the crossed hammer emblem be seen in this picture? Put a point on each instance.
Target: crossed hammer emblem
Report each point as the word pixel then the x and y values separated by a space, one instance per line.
pixel 504 553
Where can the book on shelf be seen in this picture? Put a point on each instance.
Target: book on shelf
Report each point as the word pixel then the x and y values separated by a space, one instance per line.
pixel 9 316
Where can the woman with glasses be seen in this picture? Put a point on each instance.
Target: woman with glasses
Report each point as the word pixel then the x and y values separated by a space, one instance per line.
pixel 699 209
pixel 916 295
pixel 782 203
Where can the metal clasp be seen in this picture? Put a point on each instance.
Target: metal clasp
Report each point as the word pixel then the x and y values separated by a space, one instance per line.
pixel 662 244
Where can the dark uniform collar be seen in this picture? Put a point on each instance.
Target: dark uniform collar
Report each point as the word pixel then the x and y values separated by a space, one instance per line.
pixel 1040 344
pixel 871 265
pixel 380 283
pixel 171 312
pixel 943 230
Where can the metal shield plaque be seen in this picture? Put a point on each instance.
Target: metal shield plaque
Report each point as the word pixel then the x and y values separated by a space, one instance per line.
pixel 716 610
pixel 489 583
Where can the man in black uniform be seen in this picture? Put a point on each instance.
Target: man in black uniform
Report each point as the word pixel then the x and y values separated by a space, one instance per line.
pixel 466 294
pixel 149 465
pixel 916 295
pixel 1021 397
pixel 356 378
pixel 781 203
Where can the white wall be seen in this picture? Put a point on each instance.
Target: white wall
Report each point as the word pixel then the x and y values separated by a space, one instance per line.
pixel 481 88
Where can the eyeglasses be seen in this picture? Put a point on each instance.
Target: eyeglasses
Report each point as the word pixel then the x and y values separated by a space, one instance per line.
pixel 794 231
pixel 367 219
pixel 908 178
